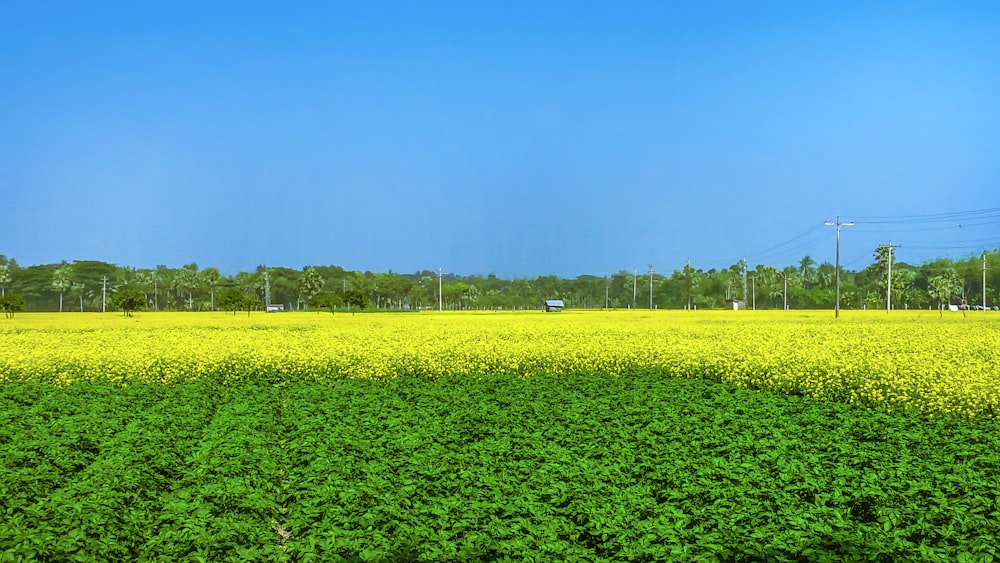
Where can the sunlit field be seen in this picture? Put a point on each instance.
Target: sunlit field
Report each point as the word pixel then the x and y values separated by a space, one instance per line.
pixel 498 436
pixel 903 360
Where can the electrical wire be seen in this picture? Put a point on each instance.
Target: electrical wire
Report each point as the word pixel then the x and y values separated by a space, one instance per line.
pixel 965 222
pixel 931 217
pixel 863 227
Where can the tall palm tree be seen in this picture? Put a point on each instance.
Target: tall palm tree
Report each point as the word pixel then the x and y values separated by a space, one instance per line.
pixel 79 290
pixel 144 280
pixel 61 281
pixel 807 269
pixel 825 274
pixel 211 277
pixel 186 281
pixel 5 278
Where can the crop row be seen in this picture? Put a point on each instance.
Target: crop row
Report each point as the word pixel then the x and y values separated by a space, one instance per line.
pixel 574 467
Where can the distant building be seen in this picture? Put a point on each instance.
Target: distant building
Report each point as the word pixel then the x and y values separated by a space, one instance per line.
pixel 552 305
pixel 275 307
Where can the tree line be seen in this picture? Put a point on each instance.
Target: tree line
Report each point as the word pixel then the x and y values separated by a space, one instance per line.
pixel 86 285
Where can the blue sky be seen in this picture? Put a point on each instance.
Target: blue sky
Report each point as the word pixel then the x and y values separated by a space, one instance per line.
pixel 515 138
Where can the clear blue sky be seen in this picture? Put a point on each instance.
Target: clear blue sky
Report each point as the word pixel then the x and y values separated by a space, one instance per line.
pixel 518 138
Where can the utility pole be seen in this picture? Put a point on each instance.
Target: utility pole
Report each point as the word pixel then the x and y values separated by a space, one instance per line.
pixel 888 285
pixel 743 262
pixel 605 292
pixel 104 295
pixel 687 274
pixel 753 284
pixel 650 286
pixel 838 224
pixel 440 296
pixel 785 293
pixel 984 279
pixel 267 289
pixel 635 281
pixel 156 295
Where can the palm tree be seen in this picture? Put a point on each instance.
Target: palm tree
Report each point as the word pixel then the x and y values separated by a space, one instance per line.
pixel 791 279
pixel 767 281
pixel 163 278
pixel 61 281
pixel 185 281
pixel 807 269
pixel 5 278
pixel 825 274
pixel 79 290
pixel 211 277
pixel 144 280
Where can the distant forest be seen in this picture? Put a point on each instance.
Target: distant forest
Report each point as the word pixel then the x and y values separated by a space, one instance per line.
pixel 86 285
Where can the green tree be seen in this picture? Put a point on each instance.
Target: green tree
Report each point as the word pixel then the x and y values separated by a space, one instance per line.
pixel 325 300
pixel 61 281
pixel 791 282
pixel 878 271
pixel 250 284
pixel 79 290
pixel 128 299
pixel 5 278
pixel 943 287
pixel 161 280
pixel 692 286
pixel 903 289
pixel 807 270
pixel 186 281
pixel 355 298
pixel 310 284
pixel 826 275
pixel 210 278
pixel 770 286
pixel 11 303
pixel 231 299
pixel 235 300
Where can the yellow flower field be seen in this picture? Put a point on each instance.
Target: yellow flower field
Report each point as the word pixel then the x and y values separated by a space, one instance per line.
pixel 935 364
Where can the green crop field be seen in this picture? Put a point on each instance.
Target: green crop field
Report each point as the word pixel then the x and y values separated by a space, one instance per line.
pixel 584 468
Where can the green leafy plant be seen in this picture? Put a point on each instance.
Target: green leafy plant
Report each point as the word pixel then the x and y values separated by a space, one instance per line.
pixel 586 467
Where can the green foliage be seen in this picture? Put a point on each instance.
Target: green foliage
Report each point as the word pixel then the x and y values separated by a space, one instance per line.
pixel 310 284
pixel 355 299
pixel 586 468
pixel 325 300
pixel 235 300
pixel 944 286
pixel 11 303
pixel 185 281
pixel 6 275
pixel 810 285
pixel 128 299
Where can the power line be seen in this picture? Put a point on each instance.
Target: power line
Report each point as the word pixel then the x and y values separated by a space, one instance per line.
pixel 853 261
pixel 930 217
pixel 964 222
pixel 764 252
pixel 963 225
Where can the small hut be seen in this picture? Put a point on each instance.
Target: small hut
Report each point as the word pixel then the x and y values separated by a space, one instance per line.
pixel 553 305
